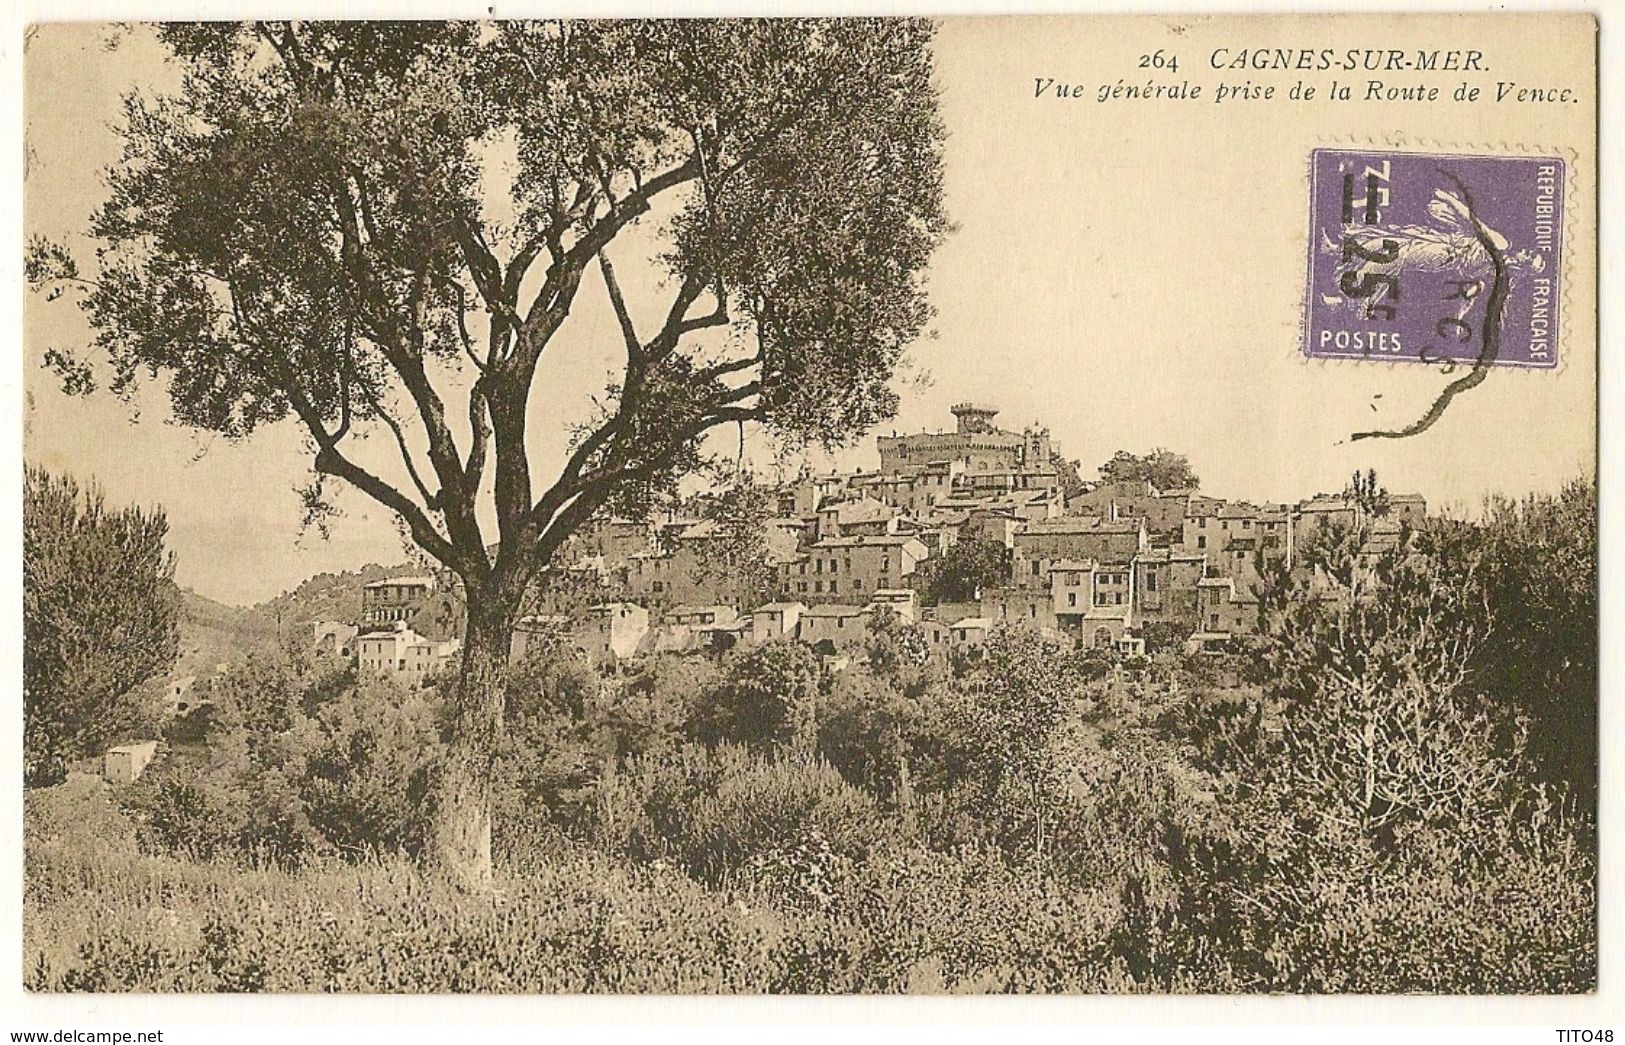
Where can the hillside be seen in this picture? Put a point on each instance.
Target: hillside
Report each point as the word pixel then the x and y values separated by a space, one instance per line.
pixel 212 633
pixel 326 596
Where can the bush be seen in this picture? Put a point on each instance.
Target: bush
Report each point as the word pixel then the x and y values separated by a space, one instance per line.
pixel 366 786
pixel 711 812
pixel 187 820
pixel 298 763
pixel 766 698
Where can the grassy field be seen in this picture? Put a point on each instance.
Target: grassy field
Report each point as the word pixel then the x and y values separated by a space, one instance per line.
pixel 102 916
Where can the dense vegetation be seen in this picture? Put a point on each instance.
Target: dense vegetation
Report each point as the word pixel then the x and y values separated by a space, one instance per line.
pixel 100 613
pixel 1385 808
pixel 313 230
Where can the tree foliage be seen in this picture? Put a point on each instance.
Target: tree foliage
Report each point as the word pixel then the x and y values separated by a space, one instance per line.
pixel 100 616
pixel 1068 475
pixel 382 228
pixel 1372 646
pixel 895 649
pixel 964 570
pixel 1540 569
pixel 1162 468
pixel 767 698
pixel 304 231
pixel 1012 720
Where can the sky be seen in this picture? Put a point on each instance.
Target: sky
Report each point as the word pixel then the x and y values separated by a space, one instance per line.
pixel 1129 274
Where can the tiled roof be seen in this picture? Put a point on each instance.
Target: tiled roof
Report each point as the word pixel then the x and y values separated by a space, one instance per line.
pixel 833 609
pixel 1081 524
pixel 887 540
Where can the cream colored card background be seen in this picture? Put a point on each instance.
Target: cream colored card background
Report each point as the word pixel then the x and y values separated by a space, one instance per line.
pixel 1130 272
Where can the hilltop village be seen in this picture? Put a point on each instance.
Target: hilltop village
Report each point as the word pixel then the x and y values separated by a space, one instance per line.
pixel 1107 565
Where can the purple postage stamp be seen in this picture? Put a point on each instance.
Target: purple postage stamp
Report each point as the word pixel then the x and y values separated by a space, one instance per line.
pixel 1430 258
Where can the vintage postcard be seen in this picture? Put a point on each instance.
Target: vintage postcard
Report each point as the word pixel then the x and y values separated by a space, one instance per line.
pixel 1051 504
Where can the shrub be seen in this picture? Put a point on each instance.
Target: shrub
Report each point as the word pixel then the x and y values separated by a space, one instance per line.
pixel 366 784
pixel 191 821
pixel 766 698
pixel 711 812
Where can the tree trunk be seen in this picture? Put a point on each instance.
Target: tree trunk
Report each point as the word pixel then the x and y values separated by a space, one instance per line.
pixel 1368 740
pixel 462 828
pixel 1038 817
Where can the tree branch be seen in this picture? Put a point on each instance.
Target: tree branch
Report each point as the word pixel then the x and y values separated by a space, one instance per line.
pixel 430 500
pixel 634 348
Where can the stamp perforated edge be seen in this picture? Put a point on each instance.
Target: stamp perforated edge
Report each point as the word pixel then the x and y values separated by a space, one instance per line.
pixel 1431 146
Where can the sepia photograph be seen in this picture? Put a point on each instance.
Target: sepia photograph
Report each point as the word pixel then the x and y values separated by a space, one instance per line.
pixel 1051 504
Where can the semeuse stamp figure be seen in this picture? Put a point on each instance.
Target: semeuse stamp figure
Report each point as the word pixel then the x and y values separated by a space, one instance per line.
pixel 1429 258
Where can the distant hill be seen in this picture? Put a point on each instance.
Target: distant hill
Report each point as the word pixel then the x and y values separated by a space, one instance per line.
pixel 212 633
pixel 327 596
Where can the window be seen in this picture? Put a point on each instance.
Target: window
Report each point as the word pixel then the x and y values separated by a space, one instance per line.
pixel 857 585
pixel 1100 598
pixel 818 566
pixel 1151 580
pixel 834 566
pixel 1035 567
pixel 834 587
pixel 1213 622
pixel 1246 524
pixel 1201 541
pixel 818 586
pixel 1071 598
pixel 1224 524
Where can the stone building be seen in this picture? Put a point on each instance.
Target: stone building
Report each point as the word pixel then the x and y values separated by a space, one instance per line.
pixel 1039 544
pixel 1165 590
pixel 776 620
pixel 851 568
pixel 401 652
pixel 332 638
pixel 394 599
pixel 1022 459
pixel 611 632
pixel 1162 511
pixel 125 764
pixel 840 625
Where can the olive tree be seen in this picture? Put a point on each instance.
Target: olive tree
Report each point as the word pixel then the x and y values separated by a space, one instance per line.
pixel 310 230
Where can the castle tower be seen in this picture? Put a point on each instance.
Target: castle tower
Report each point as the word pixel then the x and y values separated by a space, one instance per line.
pixel 974 418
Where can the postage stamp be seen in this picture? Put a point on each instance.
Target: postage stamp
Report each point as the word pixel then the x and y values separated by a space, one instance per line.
pixel 1434 258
